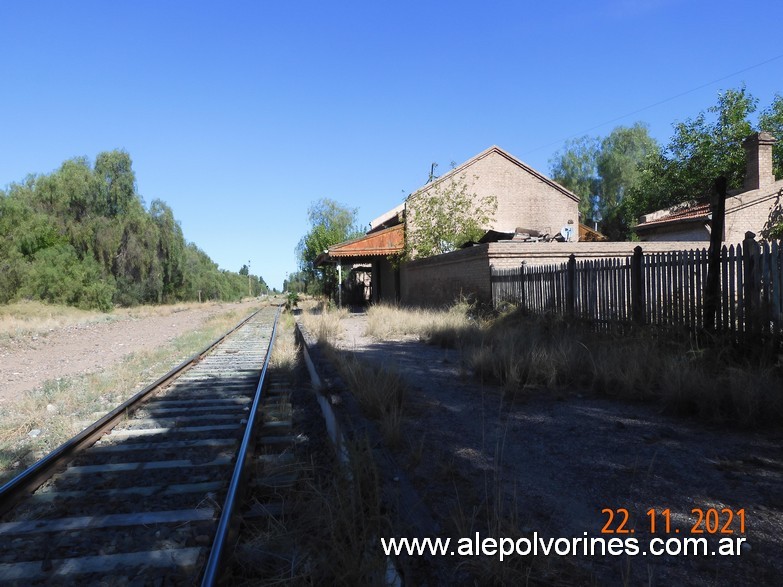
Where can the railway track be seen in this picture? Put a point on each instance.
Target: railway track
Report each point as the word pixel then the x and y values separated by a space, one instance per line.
pixel 148 495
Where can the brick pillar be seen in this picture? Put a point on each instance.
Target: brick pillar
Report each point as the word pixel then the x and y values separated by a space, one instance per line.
pixel 758 160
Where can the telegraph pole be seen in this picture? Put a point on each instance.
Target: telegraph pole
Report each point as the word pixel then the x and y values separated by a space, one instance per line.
pixel 249 288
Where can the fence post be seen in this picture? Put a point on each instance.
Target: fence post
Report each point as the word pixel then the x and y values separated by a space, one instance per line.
pixel 712 286
pixel 749 281
pixel 522 290
pixel 571 286
pixel 637 286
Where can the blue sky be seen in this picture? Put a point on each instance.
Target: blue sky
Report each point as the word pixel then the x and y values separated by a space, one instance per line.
pixel 239 115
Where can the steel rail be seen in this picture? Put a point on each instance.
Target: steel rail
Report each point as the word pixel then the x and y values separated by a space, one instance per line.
pixel 225 529
pixel 30 479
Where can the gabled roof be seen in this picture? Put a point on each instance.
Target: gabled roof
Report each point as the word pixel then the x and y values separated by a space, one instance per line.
pixel 383 243
pixel 693 213
pixel 497 150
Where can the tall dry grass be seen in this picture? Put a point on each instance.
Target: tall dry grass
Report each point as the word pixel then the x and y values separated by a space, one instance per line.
pixel 31 318
pixel 285 352
pixel 521 352
pixel 448 327
pixel 322 320
pixel 715 384
pixel 380 391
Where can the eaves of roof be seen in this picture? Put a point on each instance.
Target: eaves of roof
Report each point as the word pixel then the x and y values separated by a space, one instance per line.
pixel 383 243
pixel 698 213
pixel 390 217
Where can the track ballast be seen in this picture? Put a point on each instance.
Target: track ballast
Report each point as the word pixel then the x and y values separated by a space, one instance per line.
pixel 142 505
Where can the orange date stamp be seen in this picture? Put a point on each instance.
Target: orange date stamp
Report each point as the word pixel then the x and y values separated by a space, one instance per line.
pixel 711 521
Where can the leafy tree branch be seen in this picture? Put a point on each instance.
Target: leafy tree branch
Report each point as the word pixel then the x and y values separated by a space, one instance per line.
pixel 445 216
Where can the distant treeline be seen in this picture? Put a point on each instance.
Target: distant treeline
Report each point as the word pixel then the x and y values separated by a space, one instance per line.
pixel 82 236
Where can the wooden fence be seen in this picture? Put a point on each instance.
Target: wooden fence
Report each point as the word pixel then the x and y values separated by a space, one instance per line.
pixel 659 288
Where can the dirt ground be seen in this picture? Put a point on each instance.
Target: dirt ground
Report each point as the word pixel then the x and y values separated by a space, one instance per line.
pixel 558 460
pixel 27 362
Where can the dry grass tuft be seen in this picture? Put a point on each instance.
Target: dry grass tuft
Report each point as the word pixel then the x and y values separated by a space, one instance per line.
pixel 322 321
pixel 30 318
pixel 448 328
pixel 348 520
pixel 380 392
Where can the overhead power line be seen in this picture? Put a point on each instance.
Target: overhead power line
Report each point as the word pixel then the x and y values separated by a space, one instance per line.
pixel 669 99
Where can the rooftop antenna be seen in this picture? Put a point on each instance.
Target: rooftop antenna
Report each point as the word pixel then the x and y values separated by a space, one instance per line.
pixel 432 173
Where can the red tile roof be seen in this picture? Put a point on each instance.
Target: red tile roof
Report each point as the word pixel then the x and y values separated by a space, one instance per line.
pixel 690 214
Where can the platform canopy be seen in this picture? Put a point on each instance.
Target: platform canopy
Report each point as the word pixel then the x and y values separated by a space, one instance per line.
pixel 383 243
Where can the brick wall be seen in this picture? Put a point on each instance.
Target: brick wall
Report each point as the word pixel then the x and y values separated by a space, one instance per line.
pixel 750 211
pixel 525 199
pixel 443 279
pixel 747 211
pixel 693 231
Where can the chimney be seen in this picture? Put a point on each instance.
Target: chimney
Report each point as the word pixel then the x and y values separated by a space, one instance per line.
pixel 758 160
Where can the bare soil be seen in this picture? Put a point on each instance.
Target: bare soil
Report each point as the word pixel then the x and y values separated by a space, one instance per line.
pixel 27 362
pixel 554 462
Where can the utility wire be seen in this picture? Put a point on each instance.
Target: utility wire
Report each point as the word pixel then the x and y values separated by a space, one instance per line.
pixel 680 95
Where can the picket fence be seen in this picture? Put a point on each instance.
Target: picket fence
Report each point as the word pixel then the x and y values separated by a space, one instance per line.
pixel 668 289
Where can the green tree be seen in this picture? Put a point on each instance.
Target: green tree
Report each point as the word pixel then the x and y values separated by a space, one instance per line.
pixel 702 149
pixel 618 163
pixel 576 169
pixel 118 183
pixel 771 120
pixel 603 171
pixel 330 223
pixel 13 264
pixel 78 186
pixel 170 250
pixel 445 216
pixel 56 274
pixel 82 236
pixel 295 282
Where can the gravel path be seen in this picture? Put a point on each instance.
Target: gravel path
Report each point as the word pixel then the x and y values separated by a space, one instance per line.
pixel 559 459
pixel 90 347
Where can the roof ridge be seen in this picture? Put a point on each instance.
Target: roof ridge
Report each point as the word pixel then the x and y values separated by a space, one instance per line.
pixel 507 155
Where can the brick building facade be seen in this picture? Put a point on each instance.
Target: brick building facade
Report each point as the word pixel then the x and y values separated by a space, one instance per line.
pixel 525 198
pixel 750 209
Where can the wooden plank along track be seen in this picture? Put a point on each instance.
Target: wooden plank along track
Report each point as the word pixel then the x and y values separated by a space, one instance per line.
pixel 143 504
